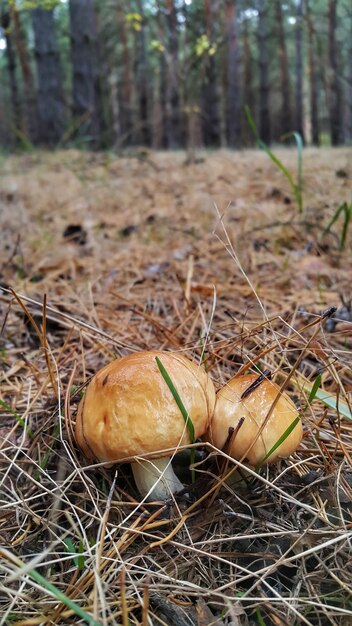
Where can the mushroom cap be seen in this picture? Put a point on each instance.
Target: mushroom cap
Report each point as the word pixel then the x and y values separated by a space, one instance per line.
pixel 129 410
pixel 254 408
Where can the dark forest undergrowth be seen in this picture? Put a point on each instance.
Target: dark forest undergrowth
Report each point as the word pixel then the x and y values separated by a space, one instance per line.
pixel 100 256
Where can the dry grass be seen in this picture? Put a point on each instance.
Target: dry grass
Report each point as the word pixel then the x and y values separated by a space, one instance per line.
pixel 159 267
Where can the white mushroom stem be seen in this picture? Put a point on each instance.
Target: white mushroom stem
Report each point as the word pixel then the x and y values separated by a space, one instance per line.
pixel 155 478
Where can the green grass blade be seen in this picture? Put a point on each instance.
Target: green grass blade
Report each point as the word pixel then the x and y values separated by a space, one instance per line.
pixel 177 398
pixel 253 128
pixel 281 439
pixel 259 617
pixel 191 462
pixel 286 173
pixel 80 558
pixel 314 389
pixel 296 189
pixel 29 432
pixel 77 556
pixel 330 400
pixel 335 217
pixel 61 597
pixel 346 222
pixel 347 211
pixel 182 408
pixel 70 546
pixel 70 549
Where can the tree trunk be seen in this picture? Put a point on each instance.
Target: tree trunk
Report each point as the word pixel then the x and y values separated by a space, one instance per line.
pixel 85 71
pixel 285 116
pixel 172 93
pixel 50 96
pixel 142 81
pixel 349 86
pixel 30 105
pixel 299 70
pixel 264 89
pixel 157 114
pixel 16 119
pixel 233 94
pixel 159 136
pixel 211 129
pixel 313 80
pixel 114 108
pixel 126 86
pixel 336 125
pixel 248 95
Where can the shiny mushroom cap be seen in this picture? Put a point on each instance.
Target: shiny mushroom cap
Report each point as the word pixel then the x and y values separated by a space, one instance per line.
pixel 129 410
pixel 235 401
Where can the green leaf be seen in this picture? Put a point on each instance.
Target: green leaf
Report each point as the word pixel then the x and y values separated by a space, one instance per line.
pixel 177 398
pixel 281 439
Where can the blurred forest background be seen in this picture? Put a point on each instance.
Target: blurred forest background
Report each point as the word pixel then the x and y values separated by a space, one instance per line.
pixel 174 73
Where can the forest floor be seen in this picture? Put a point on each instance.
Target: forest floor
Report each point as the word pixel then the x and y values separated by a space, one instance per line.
pixel 100 256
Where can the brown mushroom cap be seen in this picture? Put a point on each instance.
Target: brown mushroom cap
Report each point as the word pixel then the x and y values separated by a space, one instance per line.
pixel 129 410
pixel 254 408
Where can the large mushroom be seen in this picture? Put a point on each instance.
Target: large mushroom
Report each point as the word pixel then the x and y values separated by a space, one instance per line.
pixel 251 414
pixel 128 410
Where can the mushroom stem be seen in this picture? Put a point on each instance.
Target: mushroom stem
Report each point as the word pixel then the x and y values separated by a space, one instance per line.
pixel 155 478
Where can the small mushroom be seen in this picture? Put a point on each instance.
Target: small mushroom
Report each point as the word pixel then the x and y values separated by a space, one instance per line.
pixel 128 410
pixel 240 413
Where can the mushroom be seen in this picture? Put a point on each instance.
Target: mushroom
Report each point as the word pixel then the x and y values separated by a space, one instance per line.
pixel 250 416
pixel 128 410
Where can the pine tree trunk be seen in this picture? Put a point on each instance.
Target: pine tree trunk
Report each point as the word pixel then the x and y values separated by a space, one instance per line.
pixel 16 118
pixel 248 95
pixel 50 96
pixel 30 104
pixel 126 86
pixel 142 81
pixel 211 129
pixel 114 108
pixel 172 92
pixel 299 70
pixel 6 140
pixel 336 125
pixel 233 94
pixel 313 80
pixel 85 71
pixel 160 138
pixel 264 88
pixel 285 116
pixel 349 88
